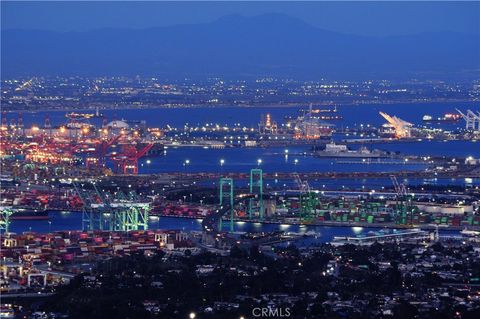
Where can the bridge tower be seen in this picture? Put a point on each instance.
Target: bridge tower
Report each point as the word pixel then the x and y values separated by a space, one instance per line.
pixel 226 198
pixel 256 187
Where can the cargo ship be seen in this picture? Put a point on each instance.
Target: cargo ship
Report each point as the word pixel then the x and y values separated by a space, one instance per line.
pixel 310 128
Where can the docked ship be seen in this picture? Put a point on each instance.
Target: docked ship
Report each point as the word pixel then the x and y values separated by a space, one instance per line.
pixel 319 114
pixel 381 237
pixel 470 233
pixel 339 150
pixel 448 117
pixel 309 127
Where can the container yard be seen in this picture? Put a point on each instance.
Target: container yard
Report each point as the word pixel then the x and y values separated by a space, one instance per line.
pixel 34 263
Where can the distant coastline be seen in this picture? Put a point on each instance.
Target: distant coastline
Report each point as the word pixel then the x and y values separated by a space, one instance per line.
pixel 206 106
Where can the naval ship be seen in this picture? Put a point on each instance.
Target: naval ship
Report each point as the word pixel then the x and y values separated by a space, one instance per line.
pixel 339 151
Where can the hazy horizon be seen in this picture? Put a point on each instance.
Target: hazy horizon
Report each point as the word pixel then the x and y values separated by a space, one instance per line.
pixel 236 39
pixel 359 18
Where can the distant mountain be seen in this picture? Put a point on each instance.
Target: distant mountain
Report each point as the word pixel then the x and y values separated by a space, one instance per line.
pixel 270 44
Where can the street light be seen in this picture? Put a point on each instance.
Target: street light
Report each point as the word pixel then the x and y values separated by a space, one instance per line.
pixel 192 315
pixel 259 161
pixel 222 162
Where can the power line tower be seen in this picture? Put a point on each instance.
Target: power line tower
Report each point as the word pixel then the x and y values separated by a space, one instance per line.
pixel 226 198
pixel 256 187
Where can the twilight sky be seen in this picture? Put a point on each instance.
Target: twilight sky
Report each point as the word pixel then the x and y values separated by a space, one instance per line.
pixel 357 17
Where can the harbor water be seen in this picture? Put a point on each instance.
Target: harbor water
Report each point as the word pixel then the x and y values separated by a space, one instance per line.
pixel 72 221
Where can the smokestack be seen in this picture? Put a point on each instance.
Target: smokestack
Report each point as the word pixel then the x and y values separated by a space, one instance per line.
pixel 20 120
pixel 4 119
pixel 47 121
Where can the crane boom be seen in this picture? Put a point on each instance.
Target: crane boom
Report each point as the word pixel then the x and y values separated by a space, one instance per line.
pixel 402 128
pixel 144 150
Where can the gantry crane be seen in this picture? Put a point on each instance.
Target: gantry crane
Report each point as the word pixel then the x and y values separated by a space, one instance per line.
pixel 26 85
pixel 92 216
pixel 402 128
pixel 403 206
pixel 5 214
pixel 126 162
pixel 400 189
pixel 100 152
pixel 472 120
pixel 102 212
pixel 308 199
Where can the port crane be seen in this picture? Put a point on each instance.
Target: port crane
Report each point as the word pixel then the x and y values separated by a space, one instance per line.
pixel 102 212
pixel 404 206
pixel 303 186
pixel 400 189
pixel 125 215
pixel 126 162
pixel 26 85
pixel 308 199
pixel 402 128
pixel 5 214
pixel 100 152
pixel 472 120
pixel 92 219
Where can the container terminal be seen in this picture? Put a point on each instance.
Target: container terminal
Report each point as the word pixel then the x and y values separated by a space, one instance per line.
pixel 45 168
pixel 98 172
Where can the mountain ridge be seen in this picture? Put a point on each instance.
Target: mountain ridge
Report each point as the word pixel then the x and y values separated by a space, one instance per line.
pixel 235 45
